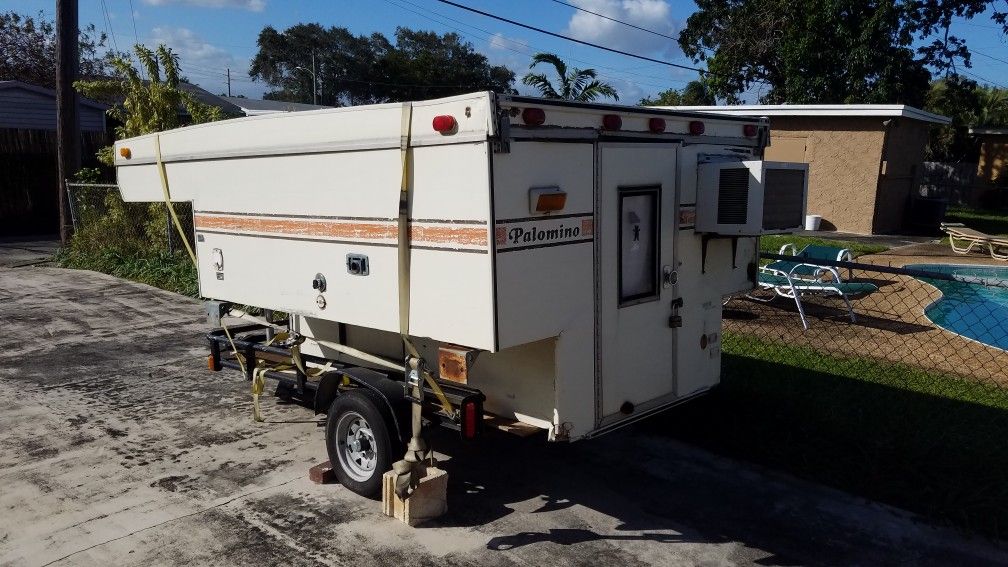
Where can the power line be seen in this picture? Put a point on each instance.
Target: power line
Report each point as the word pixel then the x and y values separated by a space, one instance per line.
pixel 108 23
pixel 492 34
pixel 136 36
pixel 989 56
pixel 575 40
pixel 615 20
pixel 975 76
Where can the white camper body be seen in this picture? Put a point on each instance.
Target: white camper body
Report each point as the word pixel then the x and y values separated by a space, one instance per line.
pixel 586 317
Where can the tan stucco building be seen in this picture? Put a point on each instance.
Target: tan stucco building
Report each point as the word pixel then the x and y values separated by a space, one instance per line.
pixel 863 159
pixel 992 167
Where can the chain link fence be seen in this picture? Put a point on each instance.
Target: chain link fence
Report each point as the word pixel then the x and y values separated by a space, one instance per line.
pixel 888 382
pixel 102 219
pixel 137 241
pixel 945 320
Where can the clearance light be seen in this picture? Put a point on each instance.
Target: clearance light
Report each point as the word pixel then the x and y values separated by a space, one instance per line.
pixel 656 125
pixel 546 199
pixel 696 127
pixel 125 152
pixel 612 122
pixel 445 123
pixel 749 130
pixel 533 116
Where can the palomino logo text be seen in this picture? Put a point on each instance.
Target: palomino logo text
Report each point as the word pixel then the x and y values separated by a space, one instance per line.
pixel 523 234
pixel 531 235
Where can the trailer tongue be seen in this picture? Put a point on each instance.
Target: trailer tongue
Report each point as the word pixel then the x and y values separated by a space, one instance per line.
pixel 481 259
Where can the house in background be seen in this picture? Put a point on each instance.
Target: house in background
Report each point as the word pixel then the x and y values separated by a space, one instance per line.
pixel 29 181
pixel 864 159
pixel 255 107
pixel 992 167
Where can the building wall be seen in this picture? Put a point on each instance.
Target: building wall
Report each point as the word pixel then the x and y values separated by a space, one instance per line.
pixel 993 166
pixel 904 152
pixel 29 110
pixel 843 154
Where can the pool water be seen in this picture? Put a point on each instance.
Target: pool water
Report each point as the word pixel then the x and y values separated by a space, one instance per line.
pixel 975 311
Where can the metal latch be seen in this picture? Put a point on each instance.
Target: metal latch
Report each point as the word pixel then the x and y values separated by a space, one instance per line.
pixel 675 320
pixel 357 264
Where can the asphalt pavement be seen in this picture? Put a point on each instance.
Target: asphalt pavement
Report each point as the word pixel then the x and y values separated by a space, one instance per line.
pixel 118 446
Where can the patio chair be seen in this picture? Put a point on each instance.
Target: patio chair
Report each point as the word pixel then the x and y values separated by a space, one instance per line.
pixel 786 285
pixel 970 240
pixel 805 265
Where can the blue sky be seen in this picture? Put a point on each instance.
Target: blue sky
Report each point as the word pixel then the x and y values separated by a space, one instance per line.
pixel 214 35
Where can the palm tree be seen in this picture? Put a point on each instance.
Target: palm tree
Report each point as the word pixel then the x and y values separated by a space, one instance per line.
pixel 577 84
pixel 992 108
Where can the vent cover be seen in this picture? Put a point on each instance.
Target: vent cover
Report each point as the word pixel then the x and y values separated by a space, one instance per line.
pixel 733 196
pixel 783 199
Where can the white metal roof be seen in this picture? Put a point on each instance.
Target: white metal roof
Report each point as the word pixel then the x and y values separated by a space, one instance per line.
pixel 989 131
pixel 853 110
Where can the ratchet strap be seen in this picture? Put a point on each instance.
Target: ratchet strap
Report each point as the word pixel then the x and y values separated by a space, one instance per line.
pixel 167 196
pixel 404 258
pixel 410 469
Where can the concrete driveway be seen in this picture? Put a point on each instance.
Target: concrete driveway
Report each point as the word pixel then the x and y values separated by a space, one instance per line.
pixel 117 446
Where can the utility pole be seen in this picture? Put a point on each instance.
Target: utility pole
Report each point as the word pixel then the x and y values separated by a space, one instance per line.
pixel 229 81
pixel 68 152
pixel 314 79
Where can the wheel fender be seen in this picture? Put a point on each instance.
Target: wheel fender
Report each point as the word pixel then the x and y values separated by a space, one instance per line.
pixel 390 392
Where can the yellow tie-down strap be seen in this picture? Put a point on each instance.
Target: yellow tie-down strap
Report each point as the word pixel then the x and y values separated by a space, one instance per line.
pixel 404 256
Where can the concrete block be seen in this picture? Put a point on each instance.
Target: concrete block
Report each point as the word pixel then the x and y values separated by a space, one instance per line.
pixel 322 473
pixel 427 502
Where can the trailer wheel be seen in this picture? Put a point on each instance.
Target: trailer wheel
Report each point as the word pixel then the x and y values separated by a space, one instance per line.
pixel 358 442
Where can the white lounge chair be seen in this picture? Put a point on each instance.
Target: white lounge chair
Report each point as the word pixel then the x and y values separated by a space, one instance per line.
pixel 965 240
pixel 786 284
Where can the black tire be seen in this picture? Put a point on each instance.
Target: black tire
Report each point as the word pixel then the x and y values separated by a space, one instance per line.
pixel 356 467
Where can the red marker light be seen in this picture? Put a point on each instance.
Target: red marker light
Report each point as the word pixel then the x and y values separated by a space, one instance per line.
pixel 696 127
pixel 445 123
pixel 533 116
pixel 656 125
pixel 472 418
pixel 612 122
pixel 749 130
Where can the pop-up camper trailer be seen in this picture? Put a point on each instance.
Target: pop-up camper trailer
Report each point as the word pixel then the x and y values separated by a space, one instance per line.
pixel 565 263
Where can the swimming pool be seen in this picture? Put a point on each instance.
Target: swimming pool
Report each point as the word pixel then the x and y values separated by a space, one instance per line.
pixel 977 312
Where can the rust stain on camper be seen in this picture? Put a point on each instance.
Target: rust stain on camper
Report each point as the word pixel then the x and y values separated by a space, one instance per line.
pixel 347 230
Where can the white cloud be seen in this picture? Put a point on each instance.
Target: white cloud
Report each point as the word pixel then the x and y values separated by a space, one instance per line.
pixel 655 15
pixel 253 5
pixel 499 41
pixel 203 63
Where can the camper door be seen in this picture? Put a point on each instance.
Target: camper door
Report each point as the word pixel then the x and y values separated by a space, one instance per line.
pixel 636 214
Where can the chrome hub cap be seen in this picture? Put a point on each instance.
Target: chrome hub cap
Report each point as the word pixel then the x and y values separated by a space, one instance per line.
pixel 357 447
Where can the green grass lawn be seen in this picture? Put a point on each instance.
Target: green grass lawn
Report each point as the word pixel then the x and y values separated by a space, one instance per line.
pixel 773 243
pixel 927 442
pixel 984 221
pixel 170 271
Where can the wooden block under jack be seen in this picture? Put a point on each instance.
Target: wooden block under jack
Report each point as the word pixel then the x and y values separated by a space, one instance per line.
pixel 428 501
pixel 322 473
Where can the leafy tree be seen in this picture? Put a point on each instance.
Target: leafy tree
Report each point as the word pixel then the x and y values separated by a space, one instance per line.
pixel 357 69
pixel 141 107
pixel 575 84
pixel 144 106
pixel 828 51
pixel 992 107
pixel 28 50
pixel 695 93
pixel 968 105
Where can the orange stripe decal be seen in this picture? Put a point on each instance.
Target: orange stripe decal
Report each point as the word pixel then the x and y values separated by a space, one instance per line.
pixel 347 230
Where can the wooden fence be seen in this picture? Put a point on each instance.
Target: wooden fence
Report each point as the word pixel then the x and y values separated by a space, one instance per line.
pixel 29 181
